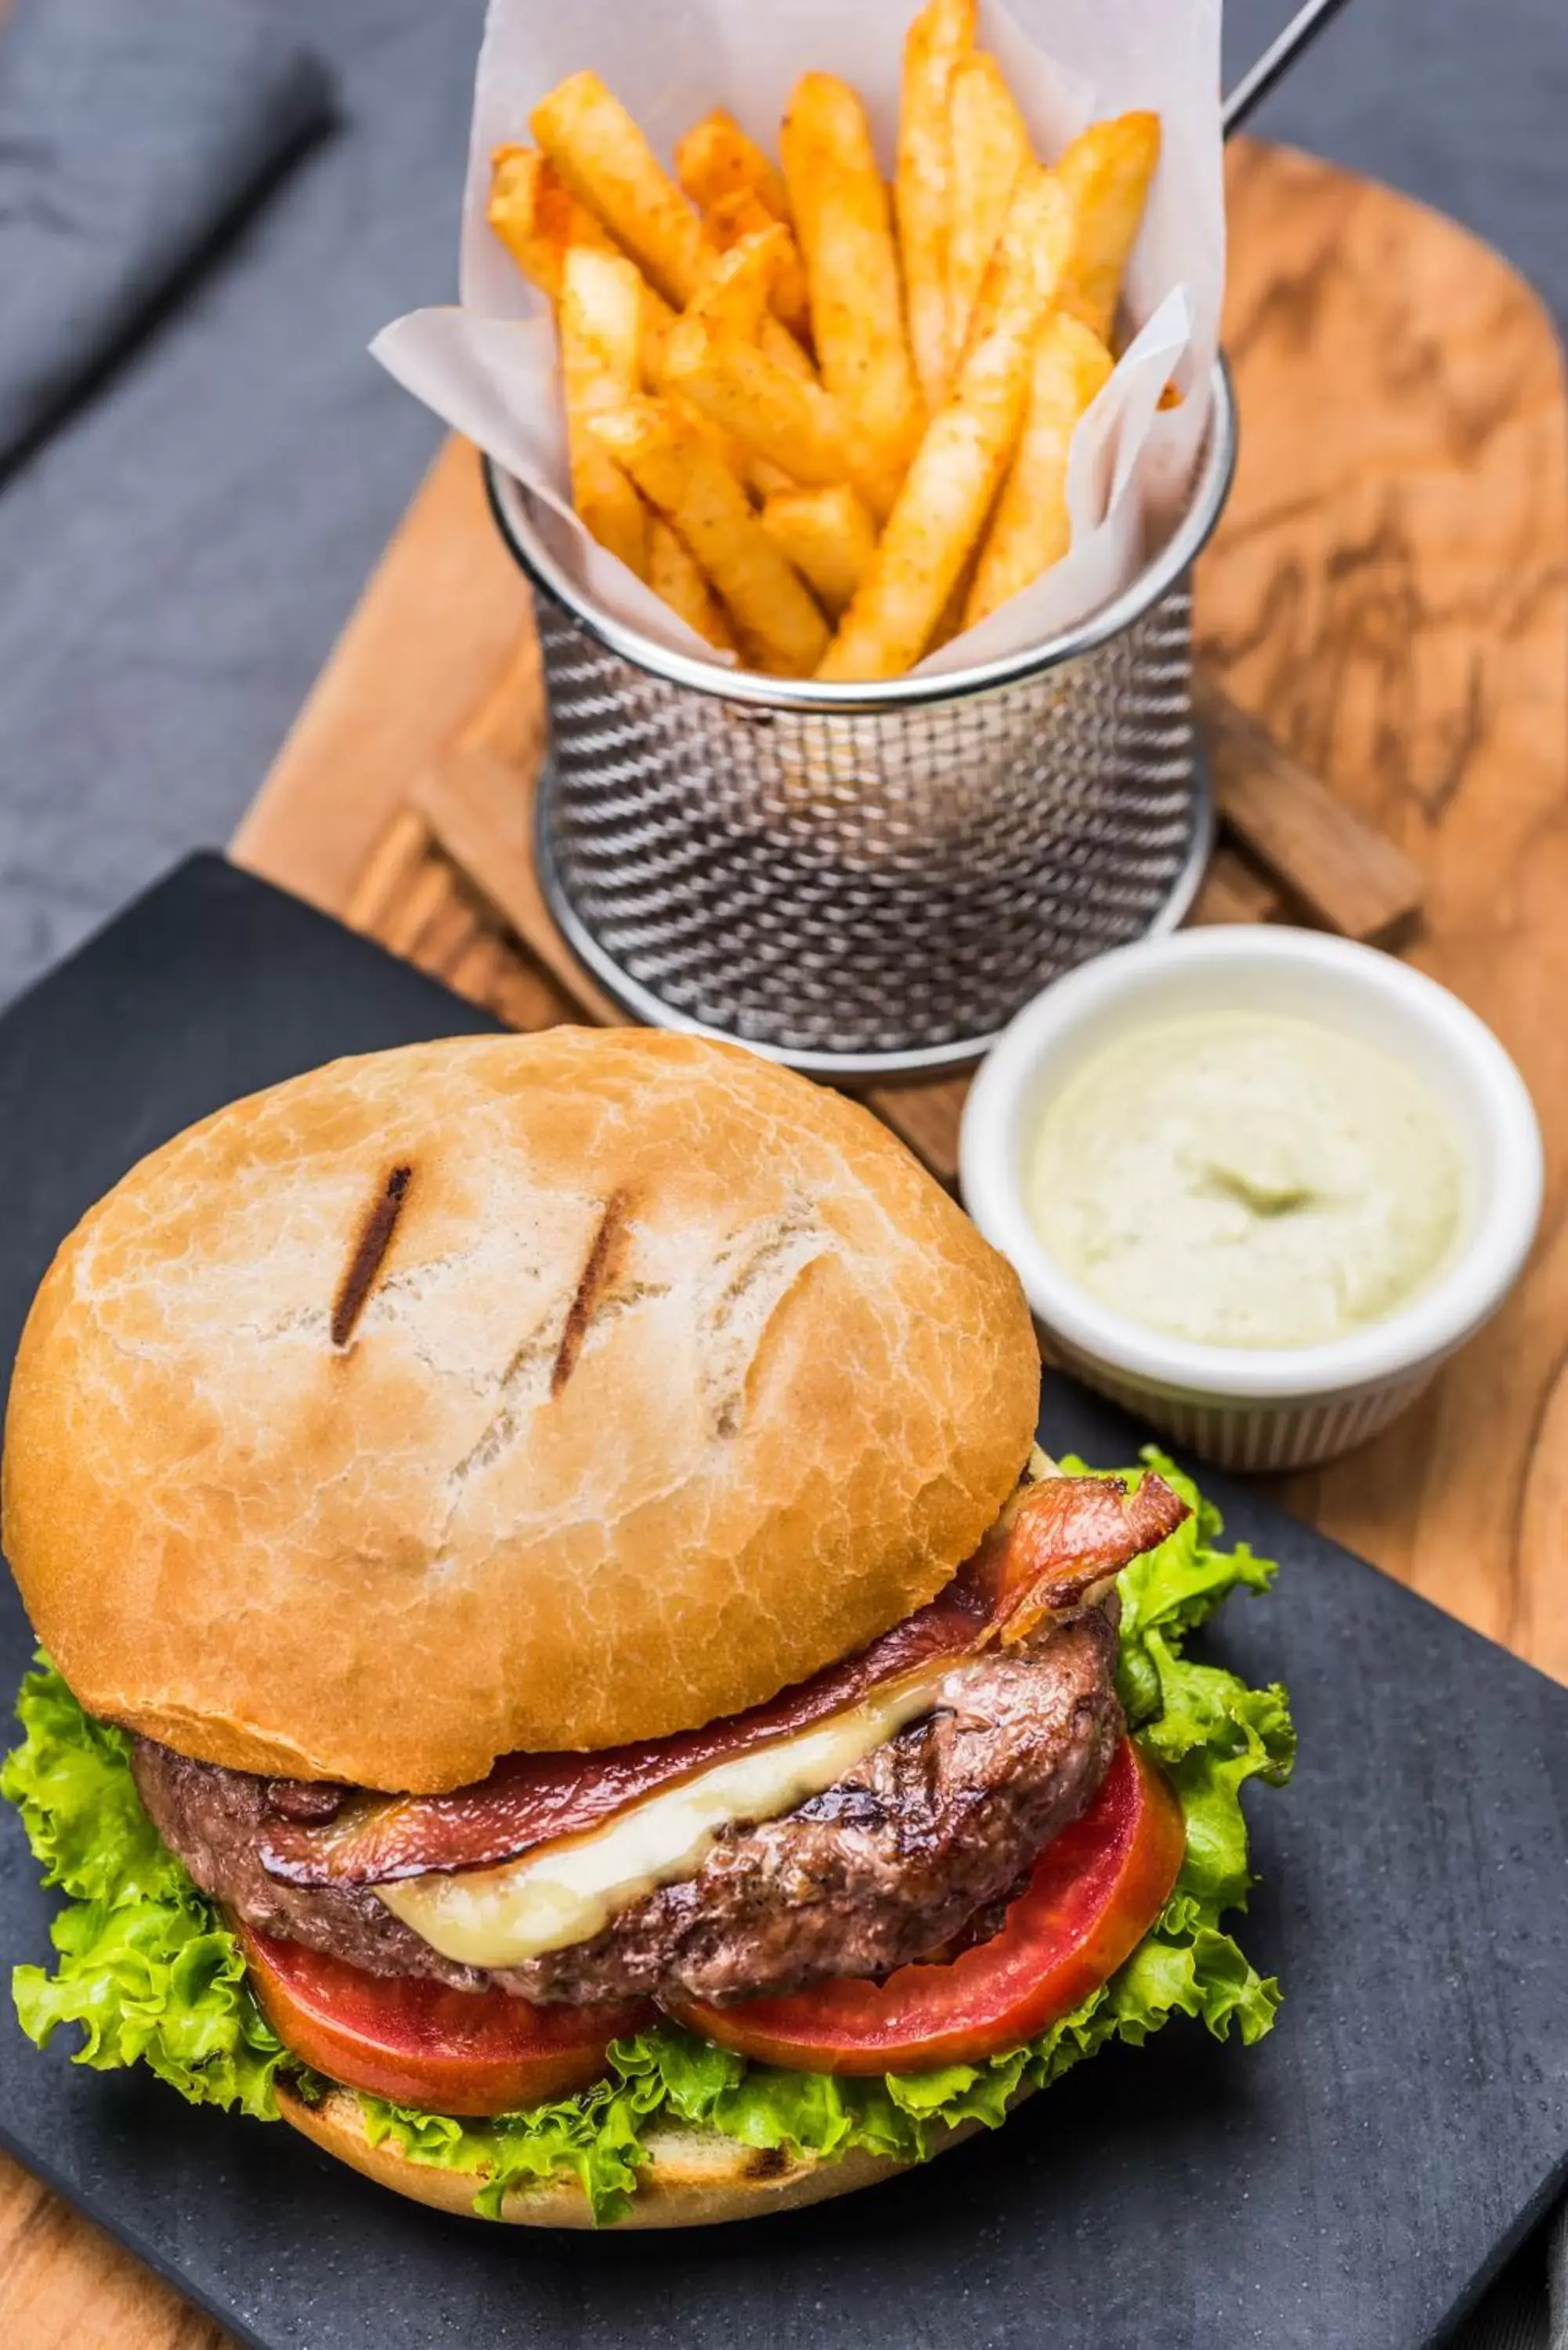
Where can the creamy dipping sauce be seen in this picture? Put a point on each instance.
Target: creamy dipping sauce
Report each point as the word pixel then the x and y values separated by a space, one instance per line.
pixel 1242 1179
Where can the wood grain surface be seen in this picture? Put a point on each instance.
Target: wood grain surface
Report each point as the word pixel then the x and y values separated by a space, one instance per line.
pixel 1388 592
pixel 1343 874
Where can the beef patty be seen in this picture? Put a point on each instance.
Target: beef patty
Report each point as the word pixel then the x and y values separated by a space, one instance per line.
pixel 885 1866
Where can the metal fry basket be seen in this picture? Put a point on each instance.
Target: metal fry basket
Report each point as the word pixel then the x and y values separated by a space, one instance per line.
pixel 868 880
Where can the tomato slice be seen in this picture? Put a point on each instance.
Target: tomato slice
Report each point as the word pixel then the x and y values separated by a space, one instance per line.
pixel 451 2052
pixel 1096 1891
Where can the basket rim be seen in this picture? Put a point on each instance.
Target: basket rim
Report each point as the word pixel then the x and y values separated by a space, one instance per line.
pixel 509 503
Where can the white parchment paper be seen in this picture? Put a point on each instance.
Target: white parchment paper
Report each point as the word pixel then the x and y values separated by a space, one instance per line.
pixel 488 366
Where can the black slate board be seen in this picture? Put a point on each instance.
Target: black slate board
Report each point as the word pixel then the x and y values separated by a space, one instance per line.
pixel 1346 2186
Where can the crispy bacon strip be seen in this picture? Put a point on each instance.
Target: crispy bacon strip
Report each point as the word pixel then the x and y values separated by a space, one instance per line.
pixel 1052 1549
pixel 1064 1538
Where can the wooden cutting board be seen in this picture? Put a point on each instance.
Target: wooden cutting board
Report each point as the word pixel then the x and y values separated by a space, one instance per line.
pixel 1389 590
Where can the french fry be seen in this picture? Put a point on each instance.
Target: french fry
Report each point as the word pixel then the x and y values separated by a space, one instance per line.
pixel 599 319
pixel 967 448
pixel 776 415
pixel 735 292
pixel 1031 529
pixel 949 619
pixel 608 172
pixel 842 221
pixel 766 479
pixel 716 160
pixel 733 300
pixel 828 536
pixel 730 451
pixel 743 214
pixel 537 216
pixel 538 219
pixel 725 296
pixel 1106 172
pixel 601 309
pixel 733 296
pixel 734 452
pixel 774 337
pixel 676 471
pixel 606 162
pixel 659 320
pixel 673 575
pixel 941 35
pixel 657 323
pixel 990 148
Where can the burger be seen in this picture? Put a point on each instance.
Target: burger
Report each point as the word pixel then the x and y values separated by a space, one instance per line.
pixel 564 1674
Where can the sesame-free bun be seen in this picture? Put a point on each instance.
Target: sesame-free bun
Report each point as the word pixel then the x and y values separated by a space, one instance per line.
pixel 503 1393
pixel 693 2178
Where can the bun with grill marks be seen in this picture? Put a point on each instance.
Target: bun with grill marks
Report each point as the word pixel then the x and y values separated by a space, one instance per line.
pixel 503 1393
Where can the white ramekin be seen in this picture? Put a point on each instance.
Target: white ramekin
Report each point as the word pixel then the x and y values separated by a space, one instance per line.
pixel 1263 1408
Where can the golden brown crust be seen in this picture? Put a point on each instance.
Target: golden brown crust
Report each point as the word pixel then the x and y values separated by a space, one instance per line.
pixel 664 1377
pixel 694 2178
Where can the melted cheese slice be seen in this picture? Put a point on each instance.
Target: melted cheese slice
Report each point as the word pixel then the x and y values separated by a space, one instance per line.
pixel 566 1892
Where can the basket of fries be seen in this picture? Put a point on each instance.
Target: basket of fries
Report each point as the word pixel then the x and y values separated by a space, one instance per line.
pixel 860 521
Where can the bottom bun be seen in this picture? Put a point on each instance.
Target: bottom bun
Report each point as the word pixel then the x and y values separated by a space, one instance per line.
pixel 692 2177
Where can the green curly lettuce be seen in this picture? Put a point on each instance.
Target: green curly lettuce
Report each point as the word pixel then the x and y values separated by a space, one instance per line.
pixel 147 1968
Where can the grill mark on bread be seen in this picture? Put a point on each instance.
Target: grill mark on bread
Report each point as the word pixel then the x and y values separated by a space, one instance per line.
pixel 590 1283
pixel 369 1253
pixel 594 1302
pixel 760 1269
pixel 500 1429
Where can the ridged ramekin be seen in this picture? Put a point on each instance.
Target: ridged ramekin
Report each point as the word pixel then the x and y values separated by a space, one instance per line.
pixel 1263 1408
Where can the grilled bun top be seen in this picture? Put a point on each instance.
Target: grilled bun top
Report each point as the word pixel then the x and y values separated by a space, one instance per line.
pixel 500 1393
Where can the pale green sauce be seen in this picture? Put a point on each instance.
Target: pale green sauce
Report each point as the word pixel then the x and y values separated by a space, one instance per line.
pixel 1245 1178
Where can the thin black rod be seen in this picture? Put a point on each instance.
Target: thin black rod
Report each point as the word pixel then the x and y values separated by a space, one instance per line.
pixel 1281 54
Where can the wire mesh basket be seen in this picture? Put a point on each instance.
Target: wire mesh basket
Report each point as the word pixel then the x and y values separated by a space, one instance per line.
pixel 868 880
